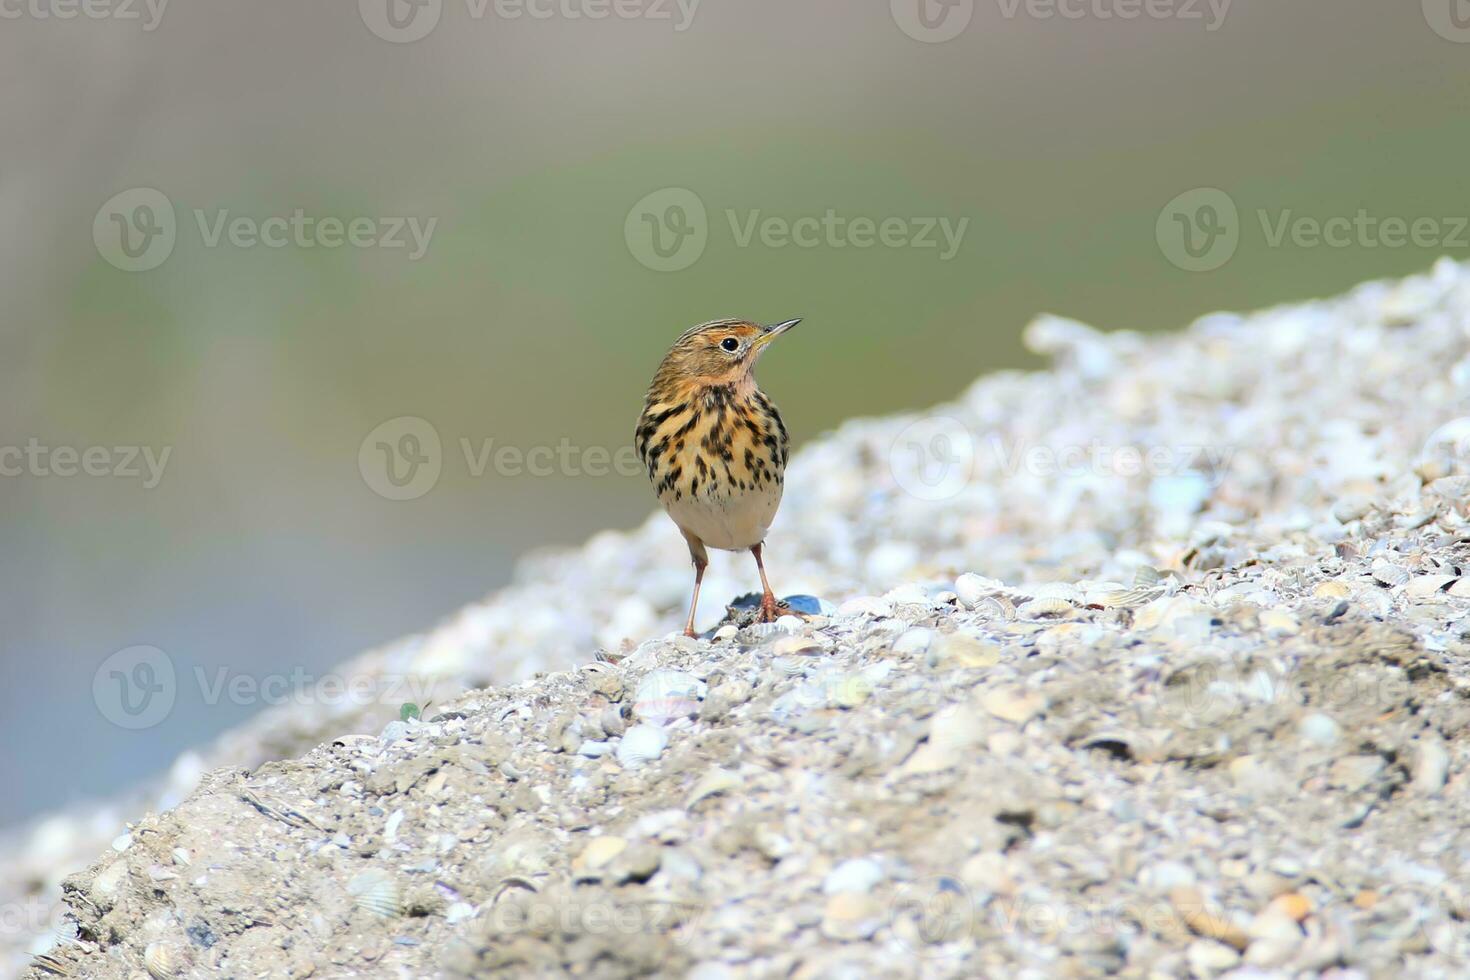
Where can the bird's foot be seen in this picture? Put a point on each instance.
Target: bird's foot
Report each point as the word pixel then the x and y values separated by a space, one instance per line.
pixel 770 609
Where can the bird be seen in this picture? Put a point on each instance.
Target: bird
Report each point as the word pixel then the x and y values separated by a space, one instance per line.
pixel 715 447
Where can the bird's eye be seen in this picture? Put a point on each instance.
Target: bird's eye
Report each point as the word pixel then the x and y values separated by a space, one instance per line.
pixel 730 344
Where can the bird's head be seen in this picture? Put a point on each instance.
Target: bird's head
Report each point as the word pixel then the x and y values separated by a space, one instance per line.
pixel 720 352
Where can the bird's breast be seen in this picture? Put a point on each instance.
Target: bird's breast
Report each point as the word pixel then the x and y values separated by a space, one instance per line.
pixel 718 453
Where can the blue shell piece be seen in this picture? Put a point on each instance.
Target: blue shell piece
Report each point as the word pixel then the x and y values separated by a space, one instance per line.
pixel 807 605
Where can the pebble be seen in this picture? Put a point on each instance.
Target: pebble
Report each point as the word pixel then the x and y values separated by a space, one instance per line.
pixel 1431 765
pixel 598 854
pixel 641 745
pixel 972 588
pixel 913 642
pixel 871 606
pixel 851 916
pixel 854 875
pixel 1208 958
pixel 1319 729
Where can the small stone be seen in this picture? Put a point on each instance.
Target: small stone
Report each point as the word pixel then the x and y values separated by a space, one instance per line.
pixel 597 855
pixel 1431 765
pixel 1354 772
pixel 1319 729
pixel 988 872
pixel 853 875
pixel 867 605
pixel 1254 776
pixel 637 863
pixel 1162 877
pixel 1207 958
pixel 1293 905
pixel 1351 508
pixel 1206 919
pixel 913 642
pixel 1423 586
pixel 1012 705
pixel 963 650
pixel 851 916
pixel 1278 622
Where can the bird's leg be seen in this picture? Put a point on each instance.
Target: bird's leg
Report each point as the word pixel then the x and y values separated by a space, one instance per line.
pixel 700 557
pixel 699 567
pixel 768 598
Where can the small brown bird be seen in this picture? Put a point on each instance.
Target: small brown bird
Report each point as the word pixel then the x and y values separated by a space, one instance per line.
pixel 715 446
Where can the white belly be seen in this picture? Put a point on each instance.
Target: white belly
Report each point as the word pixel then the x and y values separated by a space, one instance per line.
pixel 732 523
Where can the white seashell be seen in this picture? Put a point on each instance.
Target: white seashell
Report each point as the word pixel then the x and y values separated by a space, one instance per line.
pixel 666 696
pixel 1039 608
pixel 790 624
pixel 956 727
pixel 866 605
pixel 996 607
pixel 791 666
pixel 161 961
pixel 854 875
pixel 376 892
pixel 642 744
pixel 1056 590
pixel 1390 574
pixel 1012 705
pixel 800 645
pixel 714 782
pixel 913 641
pixel 1428 585
pixel 971 588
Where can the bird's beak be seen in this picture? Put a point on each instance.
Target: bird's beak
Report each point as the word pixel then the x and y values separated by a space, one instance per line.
pixel 774 331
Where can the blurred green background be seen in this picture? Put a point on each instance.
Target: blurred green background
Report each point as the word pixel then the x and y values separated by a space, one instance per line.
pixel 530 318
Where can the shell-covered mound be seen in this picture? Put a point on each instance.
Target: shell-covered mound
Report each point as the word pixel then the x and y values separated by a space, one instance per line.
pixel 1149 663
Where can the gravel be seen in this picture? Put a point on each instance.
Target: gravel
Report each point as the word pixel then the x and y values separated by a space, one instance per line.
pixel 1153 663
